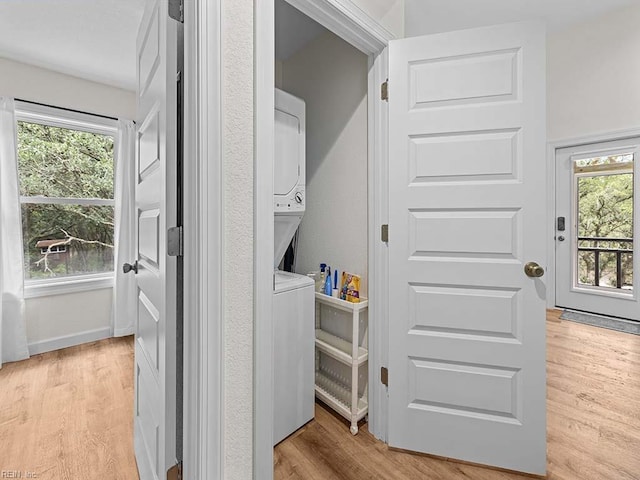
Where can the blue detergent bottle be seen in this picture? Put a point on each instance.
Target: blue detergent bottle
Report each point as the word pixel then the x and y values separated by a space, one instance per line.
pixel 328 288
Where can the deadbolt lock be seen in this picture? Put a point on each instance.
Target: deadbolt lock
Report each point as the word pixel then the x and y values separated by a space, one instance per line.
pixel 532 269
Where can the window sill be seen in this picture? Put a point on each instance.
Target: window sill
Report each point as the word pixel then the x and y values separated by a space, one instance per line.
pixel 85 283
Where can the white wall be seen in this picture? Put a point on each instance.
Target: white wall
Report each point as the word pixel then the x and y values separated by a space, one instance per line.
pixel 433 16
pixel 28 82
pixel 331 77
pixel 52 320
pixel 388 13
pixel 66 319
pixel 594 76
pixel 237 281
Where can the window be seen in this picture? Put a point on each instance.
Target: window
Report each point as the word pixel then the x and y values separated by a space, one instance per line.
pixel 604 204
pixel 66 170
pixel 51 246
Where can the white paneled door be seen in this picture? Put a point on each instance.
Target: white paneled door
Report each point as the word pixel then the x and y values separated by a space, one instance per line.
pixel 467 213
pixel 156 186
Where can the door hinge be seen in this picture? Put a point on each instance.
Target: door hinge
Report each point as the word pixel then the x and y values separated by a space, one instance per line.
pixel 384 90
pixel 384 376
pixel 176 10
pixel 175 472
pixel 384 233
pixel 175 241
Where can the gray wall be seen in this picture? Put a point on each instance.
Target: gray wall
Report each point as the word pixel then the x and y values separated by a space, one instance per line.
pixel 36 84
pixel 594 76
pixel 331 76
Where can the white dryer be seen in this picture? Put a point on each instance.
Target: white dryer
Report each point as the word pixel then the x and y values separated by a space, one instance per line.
pixel 289 198
pixel 290 154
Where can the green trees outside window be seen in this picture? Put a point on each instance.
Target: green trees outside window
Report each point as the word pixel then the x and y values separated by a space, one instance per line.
pixel 66 185
pixel 605 221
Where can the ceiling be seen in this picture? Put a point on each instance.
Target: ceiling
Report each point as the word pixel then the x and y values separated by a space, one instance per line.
pixel 92 39
pixel 294 30
pixel 435 16
pixel 95 39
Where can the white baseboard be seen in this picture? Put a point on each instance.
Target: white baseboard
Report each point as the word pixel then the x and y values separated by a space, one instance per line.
pixel 57 343
pixel 124 332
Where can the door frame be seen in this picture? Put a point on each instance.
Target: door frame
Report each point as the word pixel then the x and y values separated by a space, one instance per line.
pixel 552 147
pixel 203 243
pixel 351 24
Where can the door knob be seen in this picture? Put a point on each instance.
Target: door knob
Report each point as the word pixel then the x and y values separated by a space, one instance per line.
pixel 532 269
pixel 561 238
pixel 127 267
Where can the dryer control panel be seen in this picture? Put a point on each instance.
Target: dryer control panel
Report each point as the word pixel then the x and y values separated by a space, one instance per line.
pixel 293 202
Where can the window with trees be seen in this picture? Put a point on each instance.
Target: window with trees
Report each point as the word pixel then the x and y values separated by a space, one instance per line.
pixel 605 189
pixel 66 173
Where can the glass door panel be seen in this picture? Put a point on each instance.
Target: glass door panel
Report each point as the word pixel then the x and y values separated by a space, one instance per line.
pixel 604 198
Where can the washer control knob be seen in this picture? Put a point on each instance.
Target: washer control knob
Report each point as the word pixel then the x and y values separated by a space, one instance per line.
pixel 298 197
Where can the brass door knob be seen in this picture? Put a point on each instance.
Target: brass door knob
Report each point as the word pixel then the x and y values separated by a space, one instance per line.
pixel 532 269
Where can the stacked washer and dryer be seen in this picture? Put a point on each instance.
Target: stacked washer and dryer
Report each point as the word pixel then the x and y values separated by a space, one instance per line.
pixel 293 295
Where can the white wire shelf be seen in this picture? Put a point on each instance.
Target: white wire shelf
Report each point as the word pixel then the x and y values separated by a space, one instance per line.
pixel 339 348
pixel 343 398
pixel 338 397
pixel 342 304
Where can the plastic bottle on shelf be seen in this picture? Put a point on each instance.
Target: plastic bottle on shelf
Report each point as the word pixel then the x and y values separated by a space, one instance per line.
pixel 315 276
pixel 320 284
pixel 328 289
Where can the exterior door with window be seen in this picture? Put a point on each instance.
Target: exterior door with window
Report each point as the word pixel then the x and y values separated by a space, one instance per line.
pixel 466 215
pixel 596 221
pixel 156 211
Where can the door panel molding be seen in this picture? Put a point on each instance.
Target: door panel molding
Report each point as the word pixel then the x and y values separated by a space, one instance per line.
pixel 156 280
pixel 457 374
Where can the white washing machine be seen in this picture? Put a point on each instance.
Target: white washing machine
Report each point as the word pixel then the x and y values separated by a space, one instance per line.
pixel 294 338
pixel 293 295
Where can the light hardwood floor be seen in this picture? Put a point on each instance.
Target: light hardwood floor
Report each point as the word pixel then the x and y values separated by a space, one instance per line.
pixel 68 414
pixel 593 422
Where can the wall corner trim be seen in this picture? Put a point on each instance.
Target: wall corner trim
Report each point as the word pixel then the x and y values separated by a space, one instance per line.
pixel 348 21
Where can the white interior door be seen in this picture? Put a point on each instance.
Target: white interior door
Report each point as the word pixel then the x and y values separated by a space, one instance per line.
pixel 466 213
pixel 595 209
pixel 156 207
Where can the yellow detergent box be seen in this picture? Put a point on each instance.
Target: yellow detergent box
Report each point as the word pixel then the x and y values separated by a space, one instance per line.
pixel 350 290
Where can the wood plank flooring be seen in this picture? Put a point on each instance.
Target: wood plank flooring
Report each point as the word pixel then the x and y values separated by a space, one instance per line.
pixel 593 422
pixel 68 414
